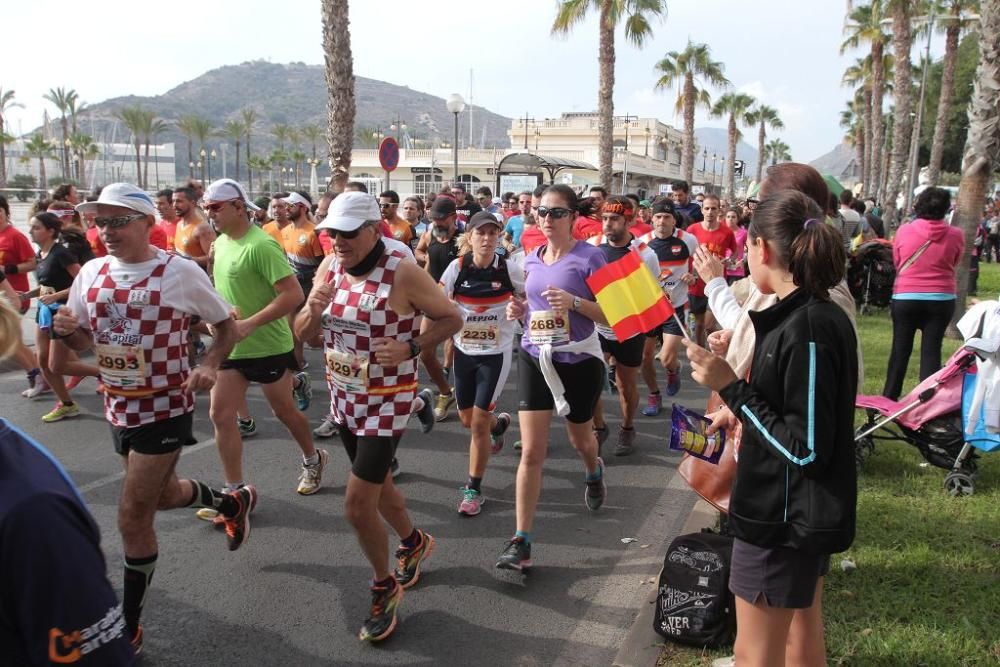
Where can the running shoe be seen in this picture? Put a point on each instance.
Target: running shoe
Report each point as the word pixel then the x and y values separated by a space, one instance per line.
pixel 61 412
pixel 426 413
pixel 238 527
pixel 654 403
pixel 217 518
pixel 302 390
pixel 136 642
pixel 597 490
pixel 443 404
pixel 673 381
pixel 32 377
pixel 496 433
pixel 626 442
pixel 327 429
pixel 248 427
pixel 382 617
pixel 408 560
pixel 472 502
pixel 312 475
pixel 394 468
pixel 39 387
pixel 516 555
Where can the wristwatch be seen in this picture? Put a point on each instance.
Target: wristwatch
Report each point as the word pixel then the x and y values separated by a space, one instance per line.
pixel 576 302
pixel 414 348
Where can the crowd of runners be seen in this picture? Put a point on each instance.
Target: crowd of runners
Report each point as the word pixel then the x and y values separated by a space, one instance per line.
pixel 209 290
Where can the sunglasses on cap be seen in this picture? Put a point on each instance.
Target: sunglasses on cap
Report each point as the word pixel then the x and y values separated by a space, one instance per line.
pixel 116 222
pixel 555 213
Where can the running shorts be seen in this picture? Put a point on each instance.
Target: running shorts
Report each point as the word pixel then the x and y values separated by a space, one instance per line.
pixel 371 457
pixel 262 370
pixel 583 382
pixel 698 304
pixel 670 327
pixel 161 437
pixel 627 353
pixel 479 379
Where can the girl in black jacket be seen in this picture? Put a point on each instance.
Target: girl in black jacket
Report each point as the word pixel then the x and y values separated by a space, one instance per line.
pixel 793 499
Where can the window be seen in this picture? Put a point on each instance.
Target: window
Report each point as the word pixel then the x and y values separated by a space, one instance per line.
pixel 426 183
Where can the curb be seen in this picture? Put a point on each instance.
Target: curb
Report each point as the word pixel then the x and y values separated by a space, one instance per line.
pixel 642 646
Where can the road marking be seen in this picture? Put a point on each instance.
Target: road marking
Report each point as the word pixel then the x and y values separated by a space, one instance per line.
pixel 118 476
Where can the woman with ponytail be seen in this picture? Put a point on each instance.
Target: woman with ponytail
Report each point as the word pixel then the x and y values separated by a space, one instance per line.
pixel 794 495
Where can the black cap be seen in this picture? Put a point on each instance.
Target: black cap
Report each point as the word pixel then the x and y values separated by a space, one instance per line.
pixel 443 207
pixel 664 205
pixel 483 218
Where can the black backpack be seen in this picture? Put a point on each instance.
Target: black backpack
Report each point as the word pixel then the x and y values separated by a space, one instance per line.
pixel 693 602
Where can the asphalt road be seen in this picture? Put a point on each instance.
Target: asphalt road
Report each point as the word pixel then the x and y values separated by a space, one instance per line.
pixel 296 593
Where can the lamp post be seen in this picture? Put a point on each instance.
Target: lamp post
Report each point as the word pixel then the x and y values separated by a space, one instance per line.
pixel 191 169
pixel 398 126
pixel 647 132
pixel 537 134
pixel 201 164
pixel 722 173
pixel 704 160
pixel 456 105
pixel 715 159
pixel 211 156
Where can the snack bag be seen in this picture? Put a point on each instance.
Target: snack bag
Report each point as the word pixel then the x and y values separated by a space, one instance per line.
pixel 688 435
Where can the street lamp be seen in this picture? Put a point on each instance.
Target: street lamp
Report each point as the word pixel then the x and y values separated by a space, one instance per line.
pixel 398 126
pixel 537 134
pixel 201 164
pixel 648 132
pixel 211 156
pixel 456 105
pixel 704 160
pixel 191 169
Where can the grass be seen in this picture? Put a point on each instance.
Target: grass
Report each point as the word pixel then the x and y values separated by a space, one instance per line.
pixel 926 590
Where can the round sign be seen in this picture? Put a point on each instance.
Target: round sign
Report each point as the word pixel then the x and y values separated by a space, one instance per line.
pixel 388 154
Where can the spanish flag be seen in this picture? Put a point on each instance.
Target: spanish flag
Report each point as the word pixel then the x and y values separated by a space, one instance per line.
pixel 630 297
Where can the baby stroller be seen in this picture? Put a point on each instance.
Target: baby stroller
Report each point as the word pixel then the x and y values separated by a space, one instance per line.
pixel 870 274
pixel 932 419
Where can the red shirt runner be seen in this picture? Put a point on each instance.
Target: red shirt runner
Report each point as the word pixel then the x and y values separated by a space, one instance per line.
pixel 720 242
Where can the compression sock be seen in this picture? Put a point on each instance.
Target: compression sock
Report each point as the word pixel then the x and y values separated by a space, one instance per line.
pixel 204 496
pixel 474 483
pixel 520 534
pixel 413 540
pixel 138 575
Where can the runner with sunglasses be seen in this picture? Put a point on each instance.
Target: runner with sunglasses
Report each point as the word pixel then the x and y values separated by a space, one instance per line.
pixel 560 363
pixel 134 308
pixel 366 307
pixel 481 282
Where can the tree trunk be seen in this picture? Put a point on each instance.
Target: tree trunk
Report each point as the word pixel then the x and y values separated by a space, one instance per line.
pixel 190 158
pixel 65 148
pixel 944 101
pixel 860 148
pixel 982 144
pixel 730 170
pixel 761 135
pixel 605 94
pixel 249 183
pixel 687 153
pixel 878 122
pixel 43 182
pixel 145 167
pixel 866 162
pixel 249 172
pixel 340 105
pixel 138 163
pixel 902 40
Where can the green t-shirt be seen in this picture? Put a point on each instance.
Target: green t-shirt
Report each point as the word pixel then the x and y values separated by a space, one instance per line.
pixel 245 272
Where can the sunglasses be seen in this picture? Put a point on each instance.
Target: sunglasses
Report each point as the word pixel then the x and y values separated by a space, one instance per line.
pixel 351 235
pixel 116 222
pixel 389 205
pixel 554 213
pixel 217 205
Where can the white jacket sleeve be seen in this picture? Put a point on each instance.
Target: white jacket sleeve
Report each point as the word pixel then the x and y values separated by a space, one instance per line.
pixel 722 302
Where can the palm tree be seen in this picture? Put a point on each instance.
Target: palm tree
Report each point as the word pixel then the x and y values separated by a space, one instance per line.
pixel 6 102
pixel 282 134
pixel 764 116
pixel 297 157
pixel 955 21
pixel 340 106
pixel 864 26
pixel 982 143
pixel 249 117
pixel 737 106
pixel 76 108
pixel 234 129
pixel 151 132
pixel 690 66
pixel 312 133
pixel 364 137
pixel 37 147
pixel 137 121
pixel 186 126
pixel 860 76
pixel 83 148
pixel 636 15
pixel 777 151
pixel 851 120
pixel 62 99
pixel 902 42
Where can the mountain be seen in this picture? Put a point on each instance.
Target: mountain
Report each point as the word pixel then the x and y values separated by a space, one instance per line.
pixel 716 140
pixel 293 94
pixel 839 163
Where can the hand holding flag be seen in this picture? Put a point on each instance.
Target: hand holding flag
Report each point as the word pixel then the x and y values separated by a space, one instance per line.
pixel 629 296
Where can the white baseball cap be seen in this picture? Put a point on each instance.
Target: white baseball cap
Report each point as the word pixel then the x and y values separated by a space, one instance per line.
pixel 350 210
pixel 296 198
pixel 226 189
pixel 125 195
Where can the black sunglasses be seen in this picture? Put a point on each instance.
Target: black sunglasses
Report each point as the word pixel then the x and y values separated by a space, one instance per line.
pixel 556 213
pixel 117 222
pixel 353 234
pixel 389 205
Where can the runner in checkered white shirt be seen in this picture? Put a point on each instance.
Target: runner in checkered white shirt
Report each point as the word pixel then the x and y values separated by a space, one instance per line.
pixel 134 308
pixel 366 304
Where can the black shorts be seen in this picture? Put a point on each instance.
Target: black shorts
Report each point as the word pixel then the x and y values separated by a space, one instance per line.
pixel 262 370
pixel 697 304
pixel 583 381
pixel 162 437
pixel 480 378
pixel 670 327
pixel 626 353
pixel 781 576
pixel 371 457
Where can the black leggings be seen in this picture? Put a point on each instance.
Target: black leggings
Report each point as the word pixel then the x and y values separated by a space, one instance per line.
pixel 908 315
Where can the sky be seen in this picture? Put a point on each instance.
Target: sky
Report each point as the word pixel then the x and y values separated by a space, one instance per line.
pixel 783 52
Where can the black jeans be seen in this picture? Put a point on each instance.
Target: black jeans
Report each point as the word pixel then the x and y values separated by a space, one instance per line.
pixel 908 315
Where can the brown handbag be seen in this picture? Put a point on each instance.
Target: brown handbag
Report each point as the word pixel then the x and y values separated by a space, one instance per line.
pixel 713 482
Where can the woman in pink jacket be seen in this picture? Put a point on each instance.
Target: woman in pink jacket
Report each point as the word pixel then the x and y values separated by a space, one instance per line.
pixel 926 253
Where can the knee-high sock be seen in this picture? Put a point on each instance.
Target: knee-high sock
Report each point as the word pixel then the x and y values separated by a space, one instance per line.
pixel 138 575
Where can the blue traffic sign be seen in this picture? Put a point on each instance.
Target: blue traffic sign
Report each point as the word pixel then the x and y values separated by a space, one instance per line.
pixel 388 154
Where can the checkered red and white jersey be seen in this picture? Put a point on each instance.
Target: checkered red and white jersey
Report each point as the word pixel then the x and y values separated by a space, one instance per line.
pixel 139 315
pixel 358 315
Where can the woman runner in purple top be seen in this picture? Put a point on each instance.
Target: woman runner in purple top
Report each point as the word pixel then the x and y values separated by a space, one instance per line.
pixel 560 364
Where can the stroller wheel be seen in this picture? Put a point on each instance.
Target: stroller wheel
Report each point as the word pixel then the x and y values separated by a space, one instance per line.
pixel 959 484
pixel 863 448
